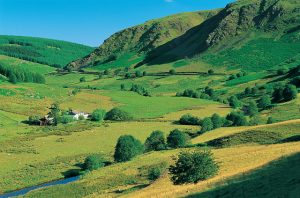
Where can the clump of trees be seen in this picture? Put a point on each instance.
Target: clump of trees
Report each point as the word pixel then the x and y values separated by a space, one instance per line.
pixel 21 75
pixel 127 148
pixel 238 75
pixel 206 93
pixel 140 90
pixel 193 167
pixel 285 93
pixel 117 114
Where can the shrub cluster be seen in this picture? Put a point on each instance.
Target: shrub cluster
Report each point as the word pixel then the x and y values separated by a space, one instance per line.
pixel 140 90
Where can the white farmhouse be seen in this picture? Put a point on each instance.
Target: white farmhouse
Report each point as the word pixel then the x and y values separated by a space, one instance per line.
pixel 77 114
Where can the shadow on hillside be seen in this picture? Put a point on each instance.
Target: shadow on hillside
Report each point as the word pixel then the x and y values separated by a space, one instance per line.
pixel 192 42
pixel 277 179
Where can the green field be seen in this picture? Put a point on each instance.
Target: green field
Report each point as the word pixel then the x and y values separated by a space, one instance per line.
pixel 179 72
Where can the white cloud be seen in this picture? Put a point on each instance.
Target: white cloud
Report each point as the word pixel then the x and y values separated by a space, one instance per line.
pixel 169 1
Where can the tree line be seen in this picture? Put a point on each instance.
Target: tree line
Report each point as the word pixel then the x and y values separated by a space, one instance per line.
pixel 21 75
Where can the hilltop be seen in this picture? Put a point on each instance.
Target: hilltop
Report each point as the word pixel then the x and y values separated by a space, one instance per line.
pixel 44 51
pixel 227 33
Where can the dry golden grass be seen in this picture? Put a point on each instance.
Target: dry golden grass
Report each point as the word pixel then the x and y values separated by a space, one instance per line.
pixel 233 161
pixel 88 101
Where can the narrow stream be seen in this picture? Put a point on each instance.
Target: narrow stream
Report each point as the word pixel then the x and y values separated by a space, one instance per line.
pixel 26 190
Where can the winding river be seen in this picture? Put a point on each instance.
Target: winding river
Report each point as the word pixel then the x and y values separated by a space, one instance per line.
pixel 26 190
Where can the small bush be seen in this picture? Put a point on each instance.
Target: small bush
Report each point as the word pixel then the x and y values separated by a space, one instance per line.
pixel 65 119
pixel 156 171
pixel 270 120
pixel 34 120
pixel 155 142
pixel 193 167
pixel 82 79
pixel 117 114
pixel 178 139
pixel 188 119
pixel 127 148
pixel 98 115
pixel 172 71
pixel 94 162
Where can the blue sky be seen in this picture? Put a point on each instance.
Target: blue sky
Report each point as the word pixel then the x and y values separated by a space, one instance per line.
pixel 88 21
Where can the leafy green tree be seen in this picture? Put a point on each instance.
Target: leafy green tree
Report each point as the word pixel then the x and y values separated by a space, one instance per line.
pixel 128 75
pixel 217 121
pixel 138 73
pixel 282 71
pixel 296 81
pixel 237 119
pixel 251 109
pixel 178 139
pixel 232 77
pixel 55 113
pixel 117 114
pixel 270 120
pixel 144 73
pixel 12 78
pixel 290 92
pixel 155 142
pixel 254 121
pixel 172 71
pixel 206 125
pixel 82 79
pixel 122 87
pixel 234 102
pixel 247 91
pixel 65 119
pixel 193 167
pixel 127 148
pixel 264 102
pixel 188 119
pixel 211 72
pixel 94 162
pixel 106 72
pixel 278 94
pixel 98 115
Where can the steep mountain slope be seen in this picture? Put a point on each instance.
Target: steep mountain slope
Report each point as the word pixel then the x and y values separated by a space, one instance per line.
pixel 178 37
pixel 45 51
pixel 143 38
pixel 231 26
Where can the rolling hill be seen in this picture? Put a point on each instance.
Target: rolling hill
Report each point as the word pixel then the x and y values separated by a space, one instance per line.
pixel 44 51
pixel 219 37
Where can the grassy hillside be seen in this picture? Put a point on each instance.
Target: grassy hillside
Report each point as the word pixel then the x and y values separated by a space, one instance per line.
pixel 249 35
pixel 277 179
pixel 45 51
pixel 135 42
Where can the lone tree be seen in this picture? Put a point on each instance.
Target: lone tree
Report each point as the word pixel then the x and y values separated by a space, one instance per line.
pixel 211 72
pixel 178 139
pixel 264 102
pixel 251 109
pixel 55 113
pixel 98 115
pixel 193 167
pixel 155 142
pixel 127 148
pixel 206 125
pixel 117 114
pixel 94 162
pixel 172 71
pixel 82 79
